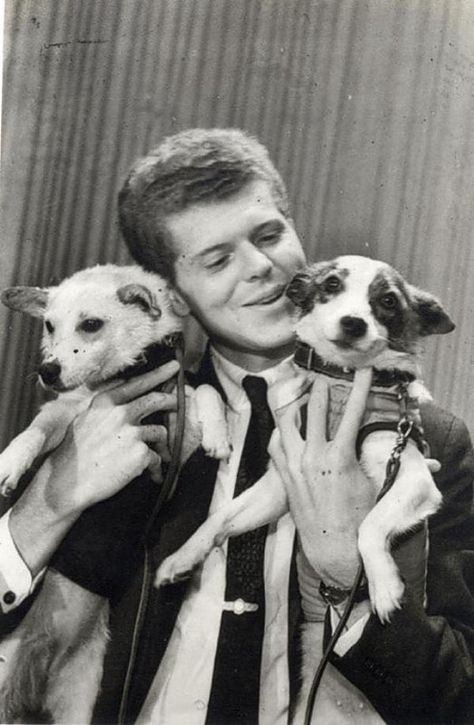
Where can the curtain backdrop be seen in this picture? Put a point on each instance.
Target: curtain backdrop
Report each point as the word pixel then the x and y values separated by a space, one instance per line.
pixel 367 107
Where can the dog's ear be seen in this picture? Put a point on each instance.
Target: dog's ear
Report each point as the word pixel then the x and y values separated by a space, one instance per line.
pixel 434 320
pixel 32 300
pixel 138 294
pixel 301 290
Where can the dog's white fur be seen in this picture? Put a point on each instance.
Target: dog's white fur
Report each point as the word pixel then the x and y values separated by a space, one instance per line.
pixel 54 661
pixel 414 495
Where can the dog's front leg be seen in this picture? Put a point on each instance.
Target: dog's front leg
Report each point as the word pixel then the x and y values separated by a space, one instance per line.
pixel 210 412
pixel 411 499
pixel 43 435
pixel 264 502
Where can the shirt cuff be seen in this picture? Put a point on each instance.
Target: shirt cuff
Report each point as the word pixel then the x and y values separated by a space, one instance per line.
pixel 352 635
pixel 16 582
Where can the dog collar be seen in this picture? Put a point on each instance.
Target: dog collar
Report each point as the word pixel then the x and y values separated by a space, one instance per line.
pixel 152 357
pixel 307 357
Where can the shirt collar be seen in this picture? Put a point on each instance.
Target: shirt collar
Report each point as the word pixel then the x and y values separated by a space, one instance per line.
pixel 231 375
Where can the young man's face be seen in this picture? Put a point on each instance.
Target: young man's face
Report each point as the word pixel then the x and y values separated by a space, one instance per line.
pixel 234 260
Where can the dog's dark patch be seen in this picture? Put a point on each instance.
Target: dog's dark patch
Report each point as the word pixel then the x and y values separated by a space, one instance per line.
pixel 387 304
pixel 405 311
pixel 390 302
pixel 316 284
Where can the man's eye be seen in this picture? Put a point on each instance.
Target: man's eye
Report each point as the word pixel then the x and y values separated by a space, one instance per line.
pixel 269 238
pixel 92 324
pixel 49 326
pixel 332 284
pixel 389 301
pixel 218 263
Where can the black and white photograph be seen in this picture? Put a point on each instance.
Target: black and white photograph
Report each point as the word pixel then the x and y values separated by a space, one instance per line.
pixel 237 362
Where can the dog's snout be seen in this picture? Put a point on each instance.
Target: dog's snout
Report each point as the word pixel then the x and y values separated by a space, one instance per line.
pixel 353 326
pixel 50 372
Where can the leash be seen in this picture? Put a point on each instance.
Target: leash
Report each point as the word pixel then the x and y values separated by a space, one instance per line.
pixel 166 492
pixel 404 430
pixel 171 477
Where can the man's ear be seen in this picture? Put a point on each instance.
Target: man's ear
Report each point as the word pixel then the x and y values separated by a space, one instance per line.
pixel 178 304
pixel 32 300
pixel 138 294
pixel 434 320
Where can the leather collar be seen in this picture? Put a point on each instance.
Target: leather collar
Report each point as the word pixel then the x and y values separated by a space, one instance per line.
pixel 306 357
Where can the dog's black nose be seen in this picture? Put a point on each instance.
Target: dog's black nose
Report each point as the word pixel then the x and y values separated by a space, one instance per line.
pixel 353 326
pixel 50 372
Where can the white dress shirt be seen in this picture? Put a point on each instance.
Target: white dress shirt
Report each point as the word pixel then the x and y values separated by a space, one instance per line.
pixel 182 685
pixel 16 581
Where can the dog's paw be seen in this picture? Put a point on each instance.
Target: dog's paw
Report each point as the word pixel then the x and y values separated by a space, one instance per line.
pixel 386 596
pixel 172 570
pixel 216 444
pixel 18 458
pixel 11 470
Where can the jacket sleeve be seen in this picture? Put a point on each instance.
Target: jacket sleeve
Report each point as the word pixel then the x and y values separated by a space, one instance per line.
pixel 420 667
pixel 16 581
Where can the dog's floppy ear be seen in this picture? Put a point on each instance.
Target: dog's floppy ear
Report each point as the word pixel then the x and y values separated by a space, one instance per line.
pixel 32 300
pixel 138 294
pixel 434 320
pixel 301 289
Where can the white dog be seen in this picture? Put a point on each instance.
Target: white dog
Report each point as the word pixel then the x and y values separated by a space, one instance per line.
pixel 97 324
pixel 352 312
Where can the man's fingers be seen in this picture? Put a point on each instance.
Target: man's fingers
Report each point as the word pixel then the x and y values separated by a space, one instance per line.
pixel 291 440
pixel 153 434
pixel 355 408
pixel 156 436
pixel 275 451
pixel 147 404
pixel 316 427
pixel 136 387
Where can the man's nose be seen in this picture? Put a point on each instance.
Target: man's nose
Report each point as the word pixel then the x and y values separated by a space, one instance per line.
pixel 256 262
pixel 50 372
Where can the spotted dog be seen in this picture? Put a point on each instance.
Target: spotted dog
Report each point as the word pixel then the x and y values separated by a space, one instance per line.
pixel 351 312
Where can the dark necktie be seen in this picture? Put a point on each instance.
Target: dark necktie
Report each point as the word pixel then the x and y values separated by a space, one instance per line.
pixel 235 686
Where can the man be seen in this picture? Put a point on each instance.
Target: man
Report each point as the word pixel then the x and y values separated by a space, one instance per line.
pixel 208 211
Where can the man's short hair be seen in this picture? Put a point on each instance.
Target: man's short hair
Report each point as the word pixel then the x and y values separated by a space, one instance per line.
pixel 191 167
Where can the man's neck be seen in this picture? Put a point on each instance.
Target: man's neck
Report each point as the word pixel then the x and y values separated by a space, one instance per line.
pixel 254 362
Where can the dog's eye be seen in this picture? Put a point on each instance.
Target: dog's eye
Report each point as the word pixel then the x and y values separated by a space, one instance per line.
pixel 91 325
pixel 389 301
pixel 49 326
pixel 332 284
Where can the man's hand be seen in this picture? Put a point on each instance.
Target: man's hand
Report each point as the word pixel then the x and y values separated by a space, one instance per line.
pixel 328 492
pixel 104 449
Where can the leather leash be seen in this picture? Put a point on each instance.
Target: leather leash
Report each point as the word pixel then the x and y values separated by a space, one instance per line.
pixel 166 492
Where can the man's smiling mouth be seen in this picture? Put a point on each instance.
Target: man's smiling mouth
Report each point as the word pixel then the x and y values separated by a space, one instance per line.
pixel 268 298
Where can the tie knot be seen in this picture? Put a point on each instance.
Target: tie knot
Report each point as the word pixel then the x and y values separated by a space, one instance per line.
pixel 256 389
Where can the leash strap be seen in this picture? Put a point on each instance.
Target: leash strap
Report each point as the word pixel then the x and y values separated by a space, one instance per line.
pixel 171 477
pixel 167 490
